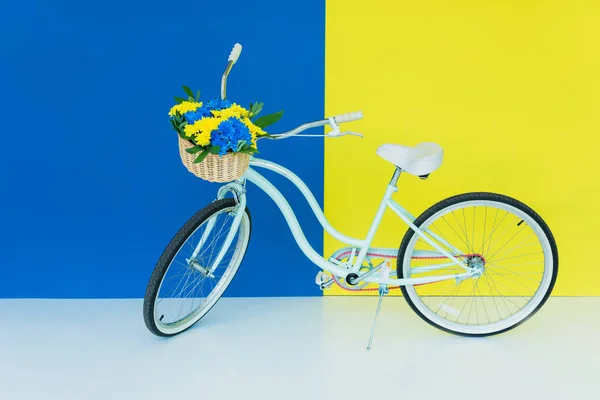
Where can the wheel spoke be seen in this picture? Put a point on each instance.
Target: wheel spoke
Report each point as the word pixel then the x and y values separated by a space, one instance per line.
pixel 504 245
pixel 473 247
pixel 523 255
pixel 439 233
pixel 483 305
pixel 518 246
pixel 492 267
pixel 460 237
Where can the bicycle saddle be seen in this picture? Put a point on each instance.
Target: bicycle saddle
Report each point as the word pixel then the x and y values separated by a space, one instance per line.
pixel 422 159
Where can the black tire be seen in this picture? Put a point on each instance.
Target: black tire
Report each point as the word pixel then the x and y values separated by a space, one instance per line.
pixel 470 197
pixel 169 253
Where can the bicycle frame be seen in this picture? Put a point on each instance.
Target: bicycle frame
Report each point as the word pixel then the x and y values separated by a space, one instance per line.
pixel 354 264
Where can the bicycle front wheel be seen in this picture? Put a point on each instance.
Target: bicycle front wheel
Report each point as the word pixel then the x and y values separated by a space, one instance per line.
pixel 185 284
pixel 508 244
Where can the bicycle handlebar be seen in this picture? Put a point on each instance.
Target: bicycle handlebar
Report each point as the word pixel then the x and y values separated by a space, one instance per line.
pixel 233 57
pixel 353 116
pixel 335 133
pixel 235 53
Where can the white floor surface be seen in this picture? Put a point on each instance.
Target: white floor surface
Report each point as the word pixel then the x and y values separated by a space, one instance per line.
pixel 292 348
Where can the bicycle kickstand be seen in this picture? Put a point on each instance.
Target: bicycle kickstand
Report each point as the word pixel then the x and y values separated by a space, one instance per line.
pixel 384 274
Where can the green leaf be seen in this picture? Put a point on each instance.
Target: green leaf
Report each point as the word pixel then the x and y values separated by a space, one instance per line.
pixel 197 95
pixel 256 108
pixel 191 98
pixel 179 100
pixel 201 157
pixel 249 150
pixel 194 150
pixel 181 125
pixel 215 149
pixel 188 91
pixel 242 144
pixel 175 125
pixel 267 120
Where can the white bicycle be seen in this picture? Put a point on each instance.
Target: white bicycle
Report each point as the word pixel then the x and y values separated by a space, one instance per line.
pixel 474 264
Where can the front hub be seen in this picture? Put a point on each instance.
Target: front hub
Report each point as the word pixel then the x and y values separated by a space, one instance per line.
pixel 204 271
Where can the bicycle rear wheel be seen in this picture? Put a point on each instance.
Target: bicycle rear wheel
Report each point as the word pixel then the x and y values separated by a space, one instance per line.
pixel 183 287
pixel 508 243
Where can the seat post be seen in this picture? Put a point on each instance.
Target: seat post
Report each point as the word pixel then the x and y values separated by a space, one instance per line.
pixel 395 177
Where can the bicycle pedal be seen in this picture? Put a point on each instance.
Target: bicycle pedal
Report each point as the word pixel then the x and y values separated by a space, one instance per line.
pixel 322 278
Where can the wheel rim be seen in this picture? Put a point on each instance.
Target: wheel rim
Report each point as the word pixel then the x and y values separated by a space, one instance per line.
pixel 182 297
pixel 498 299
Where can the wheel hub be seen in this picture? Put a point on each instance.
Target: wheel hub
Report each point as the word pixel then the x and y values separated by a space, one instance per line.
pixel 476 262
pixel 204 271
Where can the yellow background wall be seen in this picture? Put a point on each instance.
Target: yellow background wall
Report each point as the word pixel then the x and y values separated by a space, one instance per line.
pixel 510 89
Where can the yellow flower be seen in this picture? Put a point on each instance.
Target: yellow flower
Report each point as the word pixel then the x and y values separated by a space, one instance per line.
pixel 233 111
pixel 201 129
pixel 239 110
pixel 203 138
pixel 254 130
pixel 184 106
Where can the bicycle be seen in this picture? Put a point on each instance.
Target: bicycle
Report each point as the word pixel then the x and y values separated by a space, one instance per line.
pixel 454 285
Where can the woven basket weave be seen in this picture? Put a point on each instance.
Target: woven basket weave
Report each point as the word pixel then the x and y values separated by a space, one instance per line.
pixel 214 168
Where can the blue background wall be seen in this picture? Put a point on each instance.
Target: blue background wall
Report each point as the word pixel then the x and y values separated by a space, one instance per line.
pixel 92 188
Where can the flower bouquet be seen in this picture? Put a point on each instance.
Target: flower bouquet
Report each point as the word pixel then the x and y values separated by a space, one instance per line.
pixel 217 137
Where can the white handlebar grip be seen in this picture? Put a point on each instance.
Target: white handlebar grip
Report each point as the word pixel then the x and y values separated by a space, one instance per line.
pixel 353 116
pixel 235 53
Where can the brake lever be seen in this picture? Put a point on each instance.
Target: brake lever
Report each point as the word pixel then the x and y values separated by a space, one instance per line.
pixel 352 133
pixel 336 130
pixel 340 134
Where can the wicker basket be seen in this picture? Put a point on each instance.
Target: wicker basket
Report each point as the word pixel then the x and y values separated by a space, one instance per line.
pixel 214 168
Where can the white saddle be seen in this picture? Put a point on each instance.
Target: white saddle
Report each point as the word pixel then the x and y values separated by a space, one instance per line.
pixel 422 159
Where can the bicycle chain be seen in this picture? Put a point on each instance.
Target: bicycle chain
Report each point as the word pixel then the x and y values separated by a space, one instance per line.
pixel 341 282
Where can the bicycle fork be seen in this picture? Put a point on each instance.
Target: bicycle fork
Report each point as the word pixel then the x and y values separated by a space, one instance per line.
pixel 239 213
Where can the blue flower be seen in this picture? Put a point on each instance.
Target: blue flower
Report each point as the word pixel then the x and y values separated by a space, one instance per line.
pixel 193 116
pixel 229 133
pixel 217 104
pixel 205 110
